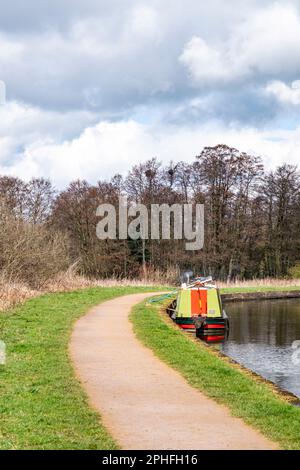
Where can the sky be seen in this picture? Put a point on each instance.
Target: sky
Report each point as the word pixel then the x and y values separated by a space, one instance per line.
pixel 95 86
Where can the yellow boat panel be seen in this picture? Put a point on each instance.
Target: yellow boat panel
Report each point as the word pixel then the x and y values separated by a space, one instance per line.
pixel 213 304
pixel 184 304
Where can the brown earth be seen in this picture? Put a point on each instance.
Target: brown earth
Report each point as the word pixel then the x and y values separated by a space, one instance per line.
pixel 144 403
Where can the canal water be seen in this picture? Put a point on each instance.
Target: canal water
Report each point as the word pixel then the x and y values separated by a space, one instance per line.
pixel 263 337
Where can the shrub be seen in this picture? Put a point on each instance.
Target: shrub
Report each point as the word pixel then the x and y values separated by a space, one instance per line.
pixel 294 272
pixel 30 253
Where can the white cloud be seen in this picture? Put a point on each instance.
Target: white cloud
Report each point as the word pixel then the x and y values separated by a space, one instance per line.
pixel 24 125
pixel 10 50
pixel 205 63
pixel 111 58
pixel 265 44
pixel 106 148
pixel 145 22
pixel 114 55
pixel 284 93
pixel 120 59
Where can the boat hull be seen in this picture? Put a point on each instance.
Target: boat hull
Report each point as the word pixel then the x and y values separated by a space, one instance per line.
pixel 186 323
pixel 209 326
pixel 213 327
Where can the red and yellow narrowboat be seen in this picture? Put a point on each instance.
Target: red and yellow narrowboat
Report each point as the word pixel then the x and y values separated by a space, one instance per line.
pixel 198 307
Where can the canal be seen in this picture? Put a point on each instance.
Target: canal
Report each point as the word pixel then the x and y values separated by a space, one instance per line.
pixel 263 337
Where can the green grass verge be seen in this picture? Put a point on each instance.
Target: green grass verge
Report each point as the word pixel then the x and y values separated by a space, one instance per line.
pixel 245 290
pixel 42 405
pixel 246 397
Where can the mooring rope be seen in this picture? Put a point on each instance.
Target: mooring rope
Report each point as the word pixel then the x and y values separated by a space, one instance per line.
pixel 163 297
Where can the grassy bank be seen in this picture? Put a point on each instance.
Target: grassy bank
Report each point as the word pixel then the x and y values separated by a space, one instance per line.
pixel 246 397
pixel 253 289
pixel 13 294
pixel 42 405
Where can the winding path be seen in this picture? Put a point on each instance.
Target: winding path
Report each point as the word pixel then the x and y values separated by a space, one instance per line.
pixel 144 403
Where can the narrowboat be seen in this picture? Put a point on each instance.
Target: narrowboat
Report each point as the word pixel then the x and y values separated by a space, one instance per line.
pixel 198 307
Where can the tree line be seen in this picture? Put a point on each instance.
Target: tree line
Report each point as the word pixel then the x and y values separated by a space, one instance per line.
pixel 252 221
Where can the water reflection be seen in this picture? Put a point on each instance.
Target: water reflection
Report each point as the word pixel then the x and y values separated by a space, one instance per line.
pixel 261 337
